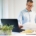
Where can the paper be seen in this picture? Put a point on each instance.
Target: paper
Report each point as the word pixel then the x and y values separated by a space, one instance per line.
pixel 29 25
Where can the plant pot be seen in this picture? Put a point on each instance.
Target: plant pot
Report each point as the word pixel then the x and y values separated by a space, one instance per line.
pixel 1 32
pixel 7 32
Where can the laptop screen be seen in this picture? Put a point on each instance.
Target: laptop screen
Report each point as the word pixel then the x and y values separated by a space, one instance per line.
pixel 9 22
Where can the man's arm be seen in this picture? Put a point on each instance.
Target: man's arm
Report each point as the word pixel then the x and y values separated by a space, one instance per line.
pixel 20 21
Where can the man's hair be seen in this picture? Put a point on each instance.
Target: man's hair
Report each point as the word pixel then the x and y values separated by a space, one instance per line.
pixel 30 1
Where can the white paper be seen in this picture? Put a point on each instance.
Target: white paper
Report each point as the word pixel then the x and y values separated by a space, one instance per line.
pixel 29 25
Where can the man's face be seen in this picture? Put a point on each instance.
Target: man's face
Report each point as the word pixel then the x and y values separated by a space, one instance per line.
pixel 29 5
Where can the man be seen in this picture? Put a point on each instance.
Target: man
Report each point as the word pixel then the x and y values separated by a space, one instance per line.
pixel 27 15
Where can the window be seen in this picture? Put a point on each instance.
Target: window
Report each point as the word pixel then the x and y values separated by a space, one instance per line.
pixel 1 11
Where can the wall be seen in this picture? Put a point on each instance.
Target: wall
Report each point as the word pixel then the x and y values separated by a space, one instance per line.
pixel 0 11
pixel 11 8
pixel 34 7
pixel 8 8
pixel 5 9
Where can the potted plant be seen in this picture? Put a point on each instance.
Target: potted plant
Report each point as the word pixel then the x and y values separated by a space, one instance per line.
pixel 1 30
pixel 7 29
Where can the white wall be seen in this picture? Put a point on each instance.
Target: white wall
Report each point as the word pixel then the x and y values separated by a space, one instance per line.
pixel 8 8
pixel 5 9
pixel 34 7
pixel 11 8
pixel 0 11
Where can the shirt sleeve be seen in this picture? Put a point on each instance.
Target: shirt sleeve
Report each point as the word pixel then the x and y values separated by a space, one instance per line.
pixel 20 19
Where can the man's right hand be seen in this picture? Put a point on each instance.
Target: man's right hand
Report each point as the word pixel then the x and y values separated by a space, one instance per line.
pixel 20 27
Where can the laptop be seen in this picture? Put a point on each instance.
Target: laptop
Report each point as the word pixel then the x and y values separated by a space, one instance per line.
pixel 9 22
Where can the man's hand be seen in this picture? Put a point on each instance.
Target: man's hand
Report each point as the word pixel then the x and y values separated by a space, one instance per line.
pixel 20 27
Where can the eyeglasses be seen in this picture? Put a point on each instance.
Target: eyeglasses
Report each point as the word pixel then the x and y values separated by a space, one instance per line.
pixel 30 5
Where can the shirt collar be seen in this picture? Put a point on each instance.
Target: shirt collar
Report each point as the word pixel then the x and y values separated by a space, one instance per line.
pixel 27 10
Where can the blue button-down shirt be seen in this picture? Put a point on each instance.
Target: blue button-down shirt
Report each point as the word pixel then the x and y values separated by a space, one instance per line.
pixel 26 16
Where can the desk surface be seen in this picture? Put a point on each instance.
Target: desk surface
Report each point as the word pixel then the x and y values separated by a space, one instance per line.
pixel 17 34
pixel 20 34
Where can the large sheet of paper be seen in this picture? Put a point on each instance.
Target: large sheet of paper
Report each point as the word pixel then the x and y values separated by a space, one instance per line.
pixel 29 25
